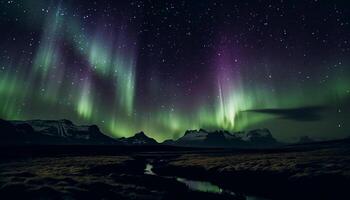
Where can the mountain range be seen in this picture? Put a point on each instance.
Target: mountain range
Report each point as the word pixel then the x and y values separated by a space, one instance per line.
pixel 50 132
pixel 259 138
pixel 58 132
pixel 138 139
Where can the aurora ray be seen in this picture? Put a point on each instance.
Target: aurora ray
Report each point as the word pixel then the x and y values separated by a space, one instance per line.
pixel 135 66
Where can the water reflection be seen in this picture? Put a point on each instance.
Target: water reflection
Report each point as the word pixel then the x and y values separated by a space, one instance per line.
pixel 148 170
pixel 201 186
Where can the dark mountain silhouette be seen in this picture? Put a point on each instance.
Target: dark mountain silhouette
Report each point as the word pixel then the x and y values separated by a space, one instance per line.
pixel 61 132
pixel 305 140
pixel 50 132
pixel 138 139
pixel 259 138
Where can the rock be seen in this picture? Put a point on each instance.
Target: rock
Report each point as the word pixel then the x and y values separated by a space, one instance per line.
pixel 138 139
pixel 259 138
pixel 50 132
pixel 305 140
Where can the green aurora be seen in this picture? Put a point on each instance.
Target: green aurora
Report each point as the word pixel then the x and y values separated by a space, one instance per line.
pixel 90 75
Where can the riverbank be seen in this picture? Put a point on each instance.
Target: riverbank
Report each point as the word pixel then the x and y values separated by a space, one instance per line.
pixel 318 171
pixel 315 174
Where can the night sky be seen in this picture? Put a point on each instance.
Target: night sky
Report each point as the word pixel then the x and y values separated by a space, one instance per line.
pixel 167 66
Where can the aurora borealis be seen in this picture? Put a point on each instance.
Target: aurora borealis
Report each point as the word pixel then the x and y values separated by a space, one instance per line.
pixel 164 67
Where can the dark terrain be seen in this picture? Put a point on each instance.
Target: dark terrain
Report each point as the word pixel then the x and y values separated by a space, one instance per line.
pixel 50 159
pixel 312 171
pixel 65 132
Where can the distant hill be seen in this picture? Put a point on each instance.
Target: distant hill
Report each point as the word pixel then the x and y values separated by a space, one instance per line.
pixel 138 139
pixel 259 138
pixel 305 140
pixel 65 132
pixel 50 132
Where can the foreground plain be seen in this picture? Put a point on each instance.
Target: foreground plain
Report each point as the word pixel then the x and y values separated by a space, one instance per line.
pixel 311 171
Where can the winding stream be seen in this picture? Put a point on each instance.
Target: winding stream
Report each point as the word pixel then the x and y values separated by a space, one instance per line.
pixel 200 186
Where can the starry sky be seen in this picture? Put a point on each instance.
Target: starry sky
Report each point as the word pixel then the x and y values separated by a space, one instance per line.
pixel 167 66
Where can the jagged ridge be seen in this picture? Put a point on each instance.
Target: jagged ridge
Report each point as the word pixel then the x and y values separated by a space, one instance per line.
pixel 66 132
pixel 259 138
pixel 50 132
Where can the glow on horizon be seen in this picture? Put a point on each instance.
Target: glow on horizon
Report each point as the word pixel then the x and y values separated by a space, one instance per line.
pixel 92 75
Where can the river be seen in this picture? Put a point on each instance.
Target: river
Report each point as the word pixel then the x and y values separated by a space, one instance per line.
pixel 202 186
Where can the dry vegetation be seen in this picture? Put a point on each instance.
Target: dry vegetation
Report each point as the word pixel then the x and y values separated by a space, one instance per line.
pixel 87 177
pixel 317 173
pixel 317 162
pixel 67 178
